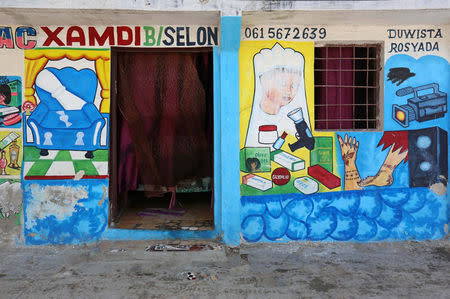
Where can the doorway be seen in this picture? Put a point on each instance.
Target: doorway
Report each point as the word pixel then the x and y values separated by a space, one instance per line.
pixel 161 139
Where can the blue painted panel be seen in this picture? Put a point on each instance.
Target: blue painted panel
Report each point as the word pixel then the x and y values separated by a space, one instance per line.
pixel 64 211
pixel 229 74
pixel 217 183
pixel 424 72
pixel 389 214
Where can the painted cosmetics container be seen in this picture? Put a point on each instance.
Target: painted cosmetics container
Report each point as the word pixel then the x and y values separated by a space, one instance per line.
pixel 267 134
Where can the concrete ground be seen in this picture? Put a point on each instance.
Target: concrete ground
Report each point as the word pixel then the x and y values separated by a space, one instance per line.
pixel 294 270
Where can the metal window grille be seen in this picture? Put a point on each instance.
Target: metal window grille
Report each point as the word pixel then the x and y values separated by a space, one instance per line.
pixel 347 87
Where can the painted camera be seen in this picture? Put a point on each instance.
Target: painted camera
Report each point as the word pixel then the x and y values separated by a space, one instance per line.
pixel 422 106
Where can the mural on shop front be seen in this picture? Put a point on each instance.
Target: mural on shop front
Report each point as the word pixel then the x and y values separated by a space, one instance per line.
pixel 360 215
pixel 394 181
pixel 431 105
pixel 421 102
pixel 280 152
pixel 424 115
pixel 397 142
pixel 279 100
pixel 66 114
pixel 10 101
pixel 428 164
pixel 398 75
pixel 61 212
pixel 425 150
pixel 10 154
pixel 373 161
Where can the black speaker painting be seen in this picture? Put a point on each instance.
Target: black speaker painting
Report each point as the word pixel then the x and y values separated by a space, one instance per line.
pixel 428 157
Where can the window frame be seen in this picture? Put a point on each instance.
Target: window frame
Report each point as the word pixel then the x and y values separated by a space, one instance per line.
pixel 380 72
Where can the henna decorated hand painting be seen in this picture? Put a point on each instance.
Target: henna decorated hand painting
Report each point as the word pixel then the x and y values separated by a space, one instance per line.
pixel 349 148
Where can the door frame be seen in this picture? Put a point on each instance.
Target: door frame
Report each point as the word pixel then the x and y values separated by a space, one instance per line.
pixel 114 209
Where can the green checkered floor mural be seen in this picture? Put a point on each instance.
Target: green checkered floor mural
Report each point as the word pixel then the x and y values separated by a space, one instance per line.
pixel 63 164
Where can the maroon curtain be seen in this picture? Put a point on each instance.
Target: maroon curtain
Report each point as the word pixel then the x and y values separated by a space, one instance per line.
pixel 128 168
pixel 338 94
pixel 165 102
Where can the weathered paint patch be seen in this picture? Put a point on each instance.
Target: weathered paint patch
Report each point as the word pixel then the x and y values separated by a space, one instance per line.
pixel 64 212
pixel 58 201
pixel 10 211
pixel 439 188
pixel 10 198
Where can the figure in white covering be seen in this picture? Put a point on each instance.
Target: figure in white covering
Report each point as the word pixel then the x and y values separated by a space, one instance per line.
pixel 279 89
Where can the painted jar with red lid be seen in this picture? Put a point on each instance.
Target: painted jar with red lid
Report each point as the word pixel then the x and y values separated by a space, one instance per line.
pixel 267 134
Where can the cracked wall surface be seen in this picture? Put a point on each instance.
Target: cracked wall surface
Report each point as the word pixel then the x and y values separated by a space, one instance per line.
pixel 65 212
pixel 10 211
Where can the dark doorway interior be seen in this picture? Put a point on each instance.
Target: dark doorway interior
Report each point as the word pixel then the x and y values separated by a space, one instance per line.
pixel 162 139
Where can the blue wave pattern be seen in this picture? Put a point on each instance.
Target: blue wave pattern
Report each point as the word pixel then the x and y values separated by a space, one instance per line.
pixel 388 214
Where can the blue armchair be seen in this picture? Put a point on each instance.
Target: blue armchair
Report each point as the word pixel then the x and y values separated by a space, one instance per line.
pixel 66 118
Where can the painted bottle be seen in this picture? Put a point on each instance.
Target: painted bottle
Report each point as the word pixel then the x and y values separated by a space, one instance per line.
pixel 3 163
pixel 280 141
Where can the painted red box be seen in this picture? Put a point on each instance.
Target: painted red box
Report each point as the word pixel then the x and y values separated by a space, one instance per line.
pixel 324 176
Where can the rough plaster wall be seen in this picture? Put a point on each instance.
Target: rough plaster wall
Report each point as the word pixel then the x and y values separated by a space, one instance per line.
pixel 12 62
pixel 10 206
pixel 59 201
pixel 10 198
pixel 228 7
pixel 10 230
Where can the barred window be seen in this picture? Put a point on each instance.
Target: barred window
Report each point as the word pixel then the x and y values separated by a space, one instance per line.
pixel 347 87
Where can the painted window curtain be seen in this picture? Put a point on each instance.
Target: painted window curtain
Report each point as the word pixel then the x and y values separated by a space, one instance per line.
pixel 165 118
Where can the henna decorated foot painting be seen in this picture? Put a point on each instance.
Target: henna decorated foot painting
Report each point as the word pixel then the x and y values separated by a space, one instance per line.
pixel 384 176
